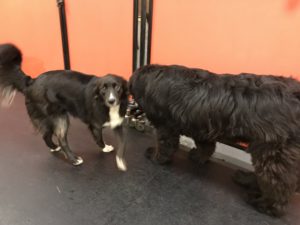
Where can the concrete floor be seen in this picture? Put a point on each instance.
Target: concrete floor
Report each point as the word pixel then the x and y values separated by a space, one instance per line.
pixel 37 188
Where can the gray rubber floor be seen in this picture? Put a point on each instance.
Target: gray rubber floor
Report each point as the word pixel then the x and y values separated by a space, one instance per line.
pixel 38 188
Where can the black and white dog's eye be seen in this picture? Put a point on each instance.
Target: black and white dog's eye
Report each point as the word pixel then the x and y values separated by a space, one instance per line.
pixel 117 88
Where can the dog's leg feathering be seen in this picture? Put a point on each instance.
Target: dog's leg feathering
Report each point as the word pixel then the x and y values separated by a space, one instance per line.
pixel 61 129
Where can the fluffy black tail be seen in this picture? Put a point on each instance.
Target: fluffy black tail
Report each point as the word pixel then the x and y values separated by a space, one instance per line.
pixel 12 78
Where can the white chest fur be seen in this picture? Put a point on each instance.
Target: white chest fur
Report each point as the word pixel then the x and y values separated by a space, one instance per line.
pixel 114 117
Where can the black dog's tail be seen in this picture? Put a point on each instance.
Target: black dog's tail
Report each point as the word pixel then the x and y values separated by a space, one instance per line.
pixel 12 78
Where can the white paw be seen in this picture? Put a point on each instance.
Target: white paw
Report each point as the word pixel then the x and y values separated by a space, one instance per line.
pixel 56 149
pixel 78 161
pixel 121 164
pixel 108 148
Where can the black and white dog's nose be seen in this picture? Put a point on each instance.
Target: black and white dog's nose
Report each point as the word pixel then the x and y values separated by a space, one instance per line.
pixel 111 101
pixel 111 98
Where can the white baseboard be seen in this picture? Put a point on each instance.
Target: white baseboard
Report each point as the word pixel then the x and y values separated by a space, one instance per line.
pixel 225 153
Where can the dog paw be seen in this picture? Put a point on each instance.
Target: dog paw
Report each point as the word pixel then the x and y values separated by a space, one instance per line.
pixel 157 158
pixel 108 148
pixel 193 155
pixel 199 157
pixel 245 179
pixel 121 164
pixel 55 150
pixel 263 205
pixel 78 161
pixel 149 152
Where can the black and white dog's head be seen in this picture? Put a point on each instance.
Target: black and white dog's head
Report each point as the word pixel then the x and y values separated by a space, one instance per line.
pixel 111 88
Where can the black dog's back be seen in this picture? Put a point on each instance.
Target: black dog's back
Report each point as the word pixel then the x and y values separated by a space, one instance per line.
pixel 61 90
pixel 218 103
pixel 61 81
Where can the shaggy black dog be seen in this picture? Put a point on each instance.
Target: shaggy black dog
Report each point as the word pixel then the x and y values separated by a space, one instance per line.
pixel 261 110
pixel 51 97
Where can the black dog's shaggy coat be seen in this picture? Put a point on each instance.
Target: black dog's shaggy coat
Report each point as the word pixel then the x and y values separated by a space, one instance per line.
pixel 53 95
pixel 261 110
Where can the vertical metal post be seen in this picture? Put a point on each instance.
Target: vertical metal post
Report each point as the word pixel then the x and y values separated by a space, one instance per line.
pixel 135 34
pixel 64 33
pixel 143 33
pixel 150 16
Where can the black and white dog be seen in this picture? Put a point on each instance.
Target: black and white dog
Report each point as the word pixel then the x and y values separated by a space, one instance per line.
pixel 261 110
pixel 54 95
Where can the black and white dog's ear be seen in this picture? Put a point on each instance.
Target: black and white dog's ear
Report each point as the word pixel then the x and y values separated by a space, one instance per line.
pixel 125 87
pixel 96 88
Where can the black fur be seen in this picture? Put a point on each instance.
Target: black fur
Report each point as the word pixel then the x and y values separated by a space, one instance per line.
pixel 53 95
pixel 261 110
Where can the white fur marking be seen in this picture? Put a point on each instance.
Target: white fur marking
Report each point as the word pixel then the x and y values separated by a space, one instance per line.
pixel 111 96
pixel 106 124
pixel 108 148
pixel 121 164
pixel 60 126
pixel 7 96
pixel 56 149
pixel 78 162
pixel 114 117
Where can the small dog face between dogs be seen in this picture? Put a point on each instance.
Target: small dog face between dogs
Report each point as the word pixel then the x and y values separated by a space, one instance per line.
pixel 110 90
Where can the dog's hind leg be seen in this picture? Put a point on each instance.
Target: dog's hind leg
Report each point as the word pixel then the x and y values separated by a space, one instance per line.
pixel 203 151
pixel 47 136
pixel 61 125
pixel 43 123
pixel 167 142
pixel 276 171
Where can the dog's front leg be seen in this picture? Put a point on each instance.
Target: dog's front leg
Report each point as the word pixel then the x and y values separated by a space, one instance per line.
pixel 119 134
pixel 203 151
pixel 98 137
pixel 167 142
pixel 245 179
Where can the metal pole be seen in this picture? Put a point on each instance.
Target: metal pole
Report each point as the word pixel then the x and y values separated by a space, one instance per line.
pixel 143 34
pixel 150 17
pixel 64 33
pixel 135 35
